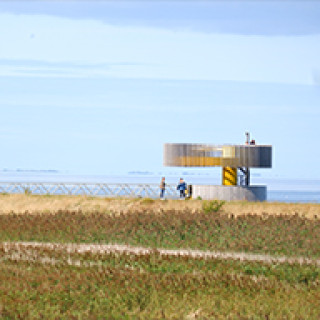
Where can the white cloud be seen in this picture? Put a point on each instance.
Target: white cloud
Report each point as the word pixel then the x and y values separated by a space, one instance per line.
pixel 152 53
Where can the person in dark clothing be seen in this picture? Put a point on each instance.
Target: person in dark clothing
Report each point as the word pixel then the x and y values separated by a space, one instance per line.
pixel 182 187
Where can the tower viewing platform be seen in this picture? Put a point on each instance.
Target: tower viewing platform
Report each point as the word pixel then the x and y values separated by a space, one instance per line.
pixel 235 160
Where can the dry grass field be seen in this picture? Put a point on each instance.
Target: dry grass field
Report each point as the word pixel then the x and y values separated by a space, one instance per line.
pixel 59 284
pixel 20 203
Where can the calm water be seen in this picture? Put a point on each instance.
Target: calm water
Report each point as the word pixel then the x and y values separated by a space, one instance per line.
pixel 279 189
pixel 294 196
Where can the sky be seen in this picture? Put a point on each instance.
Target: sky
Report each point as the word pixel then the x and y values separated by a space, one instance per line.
pixel 98 87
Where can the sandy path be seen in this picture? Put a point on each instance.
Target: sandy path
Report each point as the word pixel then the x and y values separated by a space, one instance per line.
pixel 23 250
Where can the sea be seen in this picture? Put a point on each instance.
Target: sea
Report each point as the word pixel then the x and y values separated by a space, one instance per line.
pixel 279 189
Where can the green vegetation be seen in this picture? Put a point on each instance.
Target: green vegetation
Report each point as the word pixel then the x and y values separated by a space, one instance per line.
pixel 122 286
pixel 43 283
pixel 212 206
pixel 275 235
pixel 147 201
pixel 27 191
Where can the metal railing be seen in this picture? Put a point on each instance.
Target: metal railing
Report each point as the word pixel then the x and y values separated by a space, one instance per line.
pixel 133 190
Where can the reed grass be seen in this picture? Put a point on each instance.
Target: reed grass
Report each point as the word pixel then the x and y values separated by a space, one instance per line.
pixel 122 286
pixel 62 285
pixel 47 204
pixel 289 235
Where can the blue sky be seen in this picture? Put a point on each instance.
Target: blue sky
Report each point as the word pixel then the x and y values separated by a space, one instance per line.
pixel 98 87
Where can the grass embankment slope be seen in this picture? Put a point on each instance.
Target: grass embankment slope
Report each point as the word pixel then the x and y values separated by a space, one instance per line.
pixel 153 286
pixel 19 203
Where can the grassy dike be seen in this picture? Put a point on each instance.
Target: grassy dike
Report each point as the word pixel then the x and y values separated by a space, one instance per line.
pixel 20 203
pixel 126 286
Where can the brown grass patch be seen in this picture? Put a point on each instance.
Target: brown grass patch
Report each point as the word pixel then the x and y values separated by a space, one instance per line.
pixel 20 203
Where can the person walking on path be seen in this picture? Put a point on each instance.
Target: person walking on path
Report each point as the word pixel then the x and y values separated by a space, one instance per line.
pixel 182 187
pixel 162 187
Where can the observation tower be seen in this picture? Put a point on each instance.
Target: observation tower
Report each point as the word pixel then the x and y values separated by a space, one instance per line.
pixel 235 160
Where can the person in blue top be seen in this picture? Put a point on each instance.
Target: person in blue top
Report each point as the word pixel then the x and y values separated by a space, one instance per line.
pixel 182 187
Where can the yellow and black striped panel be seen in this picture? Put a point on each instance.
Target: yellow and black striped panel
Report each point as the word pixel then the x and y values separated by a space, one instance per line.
pixel 229 176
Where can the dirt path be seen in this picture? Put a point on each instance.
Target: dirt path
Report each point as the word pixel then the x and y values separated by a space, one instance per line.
pixel 23 250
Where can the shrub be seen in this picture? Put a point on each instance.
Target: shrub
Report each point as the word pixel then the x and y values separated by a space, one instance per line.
pixel 147 201
pixel 212 206
pixel 27 191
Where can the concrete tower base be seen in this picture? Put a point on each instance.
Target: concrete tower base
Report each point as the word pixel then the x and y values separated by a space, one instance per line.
pixel 230 193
